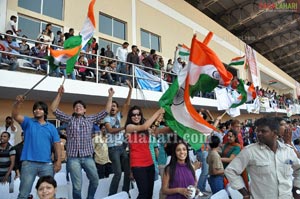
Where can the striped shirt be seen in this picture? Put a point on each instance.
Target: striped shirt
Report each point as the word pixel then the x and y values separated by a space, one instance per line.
pixel 79 132
pixel 5 162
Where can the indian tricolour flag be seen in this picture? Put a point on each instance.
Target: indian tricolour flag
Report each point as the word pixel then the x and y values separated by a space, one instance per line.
pixel 180 115
pixel 184 51
pixel 74 44
pixel 247 93
pixel 89 25
pixel 237 61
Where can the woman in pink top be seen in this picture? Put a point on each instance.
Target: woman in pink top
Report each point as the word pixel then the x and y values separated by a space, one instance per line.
pixel 141 162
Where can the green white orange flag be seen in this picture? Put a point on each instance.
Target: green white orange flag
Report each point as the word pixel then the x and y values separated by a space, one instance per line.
pixel 74 44
pixel 184 51
pixel 247 93
pixel 180 115
pixel 237 61
pixel 68 55
pixel 89 25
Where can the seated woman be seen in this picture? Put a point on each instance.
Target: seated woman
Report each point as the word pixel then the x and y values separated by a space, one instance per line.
pixel 111 67
pixel 46 187
pixel 81 64
pixel 179 174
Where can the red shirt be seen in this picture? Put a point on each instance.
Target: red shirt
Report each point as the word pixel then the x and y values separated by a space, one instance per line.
pixel 140 155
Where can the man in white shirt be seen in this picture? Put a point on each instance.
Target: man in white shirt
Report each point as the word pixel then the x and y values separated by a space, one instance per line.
pixel 273 166
pixel 12 25
pixel 11 128
pixel 121 56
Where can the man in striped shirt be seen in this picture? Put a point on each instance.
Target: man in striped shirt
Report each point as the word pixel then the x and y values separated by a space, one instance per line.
pixel 79 145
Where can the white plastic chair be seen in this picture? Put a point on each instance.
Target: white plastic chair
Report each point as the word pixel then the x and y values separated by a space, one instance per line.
pixel 234 193
pixel 4 190
pixel 220 195
pixel 63 187
pixel 133 193
pixel 156 189
pixel 103 187
pixel 16 189
pixel 123 195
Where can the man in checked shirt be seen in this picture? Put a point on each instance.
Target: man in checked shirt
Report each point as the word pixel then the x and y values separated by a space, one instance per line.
pixel 79 146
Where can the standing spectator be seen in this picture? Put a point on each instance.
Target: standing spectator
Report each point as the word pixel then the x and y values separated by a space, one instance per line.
pixel 121 56
pixel 102 161
pixel 179 173
pixel 7 158
pixel 141 162
pixel 108 52
pixel 80 146
pixel 12 25
pixel 142 57
pixel 11 128
pixel 149 61
pixel 133 58
pixel 24 47
pixel 216 170
pixel 115 141
pixel 12 47
pixel 47 35
pixel 18 162
pixel 40 136
pixel 269 163
pixel 60 38
pixel 69 34
pixel 94 46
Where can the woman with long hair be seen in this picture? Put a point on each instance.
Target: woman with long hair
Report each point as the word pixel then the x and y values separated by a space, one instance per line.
pixel 179 173
pixel 141 162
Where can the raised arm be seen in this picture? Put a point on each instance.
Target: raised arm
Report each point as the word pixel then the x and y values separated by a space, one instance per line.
pixel 16 108
pixel 57 99
pixel 111 92
pixel 126 106
pixel 131 127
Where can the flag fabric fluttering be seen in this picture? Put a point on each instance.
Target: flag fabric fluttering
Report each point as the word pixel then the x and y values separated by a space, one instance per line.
pixel 148 81
pixel 184 51
pixel 247 93
pixel 180 115
pixel 68 55
pixel 74 44
pixel 237 61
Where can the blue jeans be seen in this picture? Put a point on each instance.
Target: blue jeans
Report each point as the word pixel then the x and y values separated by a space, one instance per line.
pixel 202 155
pixel 119 157
pixel 29 171
pixel 121 68
pixel 88 165
pixel 64 71
pixel 12 63
pixel 216 183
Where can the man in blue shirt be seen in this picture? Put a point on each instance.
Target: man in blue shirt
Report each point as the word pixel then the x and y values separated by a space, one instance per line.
pixel 40 136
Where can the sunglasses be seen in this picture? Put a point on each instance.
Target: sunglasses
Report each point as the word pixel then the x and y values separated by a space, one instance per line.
pixel 136 114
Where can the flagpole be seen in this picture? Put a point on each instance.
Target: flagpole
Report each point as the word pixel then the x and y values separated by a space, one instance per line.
pixel 28 91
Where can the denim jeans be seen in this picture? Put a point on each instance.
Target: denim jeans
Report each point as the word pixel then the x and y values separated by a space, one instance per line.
pixel 144 177
pixel 119 157
pixel 29 171
pixel 121 68
pixel 64 71
pixel 88 165
pixel 216 183
pixel 202 155
pixel 12 62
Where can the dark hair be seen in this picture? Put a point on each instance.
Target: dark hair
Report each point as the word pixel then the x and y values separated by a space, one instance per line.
pixel 12 17
pixel 235 135
pixel 71 29
pixel 9 32
pixel 133 46
pixel 79 102
pixel 115 102
pixel 58 32
pixel 43 105
pixel 125 43
pixel 152 51
pixel 171 167
pixel 8 117
pixel 6 133
pixel 214 141
pixel 48 179
pixel 297 141
pixel 129 115
pixel 271 122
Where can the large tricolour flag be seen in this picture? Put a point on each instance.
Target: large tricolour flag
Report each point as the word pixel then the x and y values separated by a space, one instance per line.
pixel 247 93
pixel 74 44
pixel 89 25
pixel 180 115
